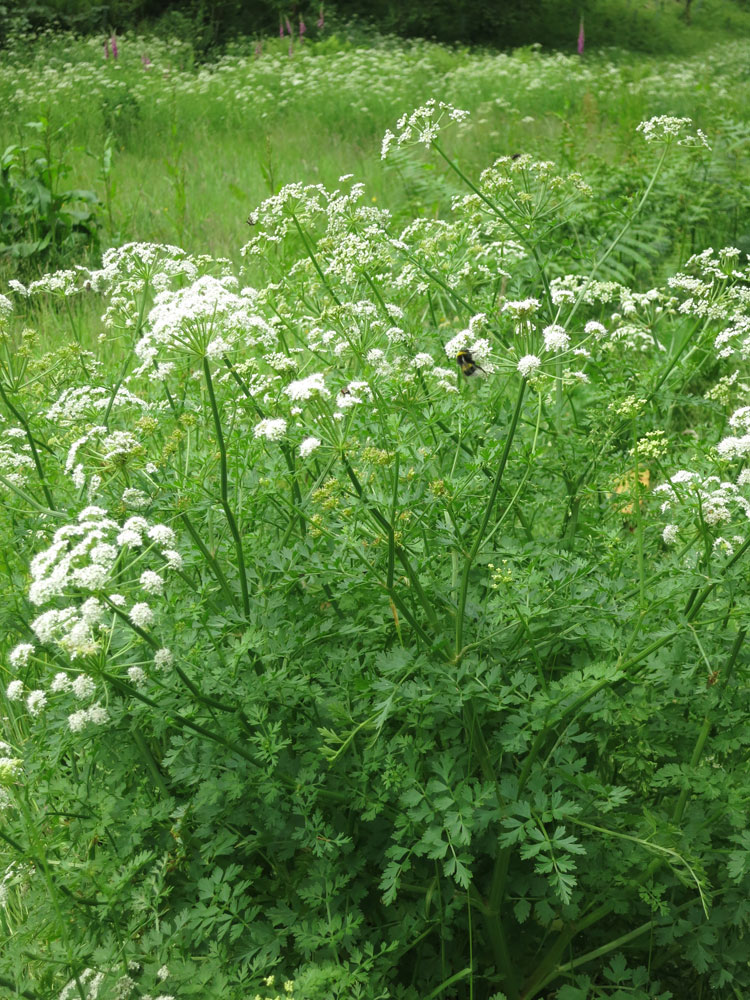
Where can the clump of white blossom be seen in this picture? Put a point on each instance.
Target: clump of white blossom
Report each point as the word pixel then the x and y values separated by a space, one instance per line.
pixel 308 446
pixel 422 125
pixel 208 318
pixel 93 554
pixel 705 503
pixel 665 128
pixel 272 429
pixel 528 365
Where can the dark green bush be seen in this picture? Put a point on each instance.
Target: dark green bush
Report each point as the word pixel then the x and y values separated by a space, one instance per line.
pixel 40 220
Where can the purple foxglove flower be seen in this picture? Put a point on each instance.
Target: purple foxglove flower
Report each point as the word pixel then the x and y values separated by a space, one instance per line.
pixel 581 37
pixel 146 61
pixel 113 41
pixel 321 19
pixel 302 27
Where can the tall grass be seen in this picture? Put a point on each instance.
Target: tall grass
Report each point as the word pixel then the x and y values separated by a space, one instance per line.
pixel 195 149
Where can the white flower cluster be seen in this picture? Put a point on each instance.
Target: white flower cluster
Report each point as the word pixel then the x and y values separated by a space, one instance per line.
pixel 15 456
pixel 275 217
pixel 91 555
pixel 88 980
pixel 82 687
pixel 308 446
pixel 358 391
pixel 556 339
pixel 704 500
pixel 20 656
pixel 95 715
pixel 205 319
pixel 127 270
pixel 736 446
pixel 521 310
pixel 534 181
pixel 478 347
pixel 10 769
pixel 304 388
pixel 85 402
pixel 529 365
pixel 422 125
pixel 105 450
pixel 664 128
pixel 271 429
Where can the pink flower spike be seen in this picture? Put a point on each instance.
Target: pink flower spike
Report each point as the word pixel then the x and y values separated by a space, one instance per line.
pixel 114 46
pixel 146 61
pixel 302 27
pixel 321 19
pixel 281 29
pixel 288 27
pixel 581 37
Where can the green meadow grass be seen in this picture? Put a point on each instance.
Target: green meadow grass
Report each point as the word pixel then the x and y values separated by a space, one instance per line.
pixel 194 149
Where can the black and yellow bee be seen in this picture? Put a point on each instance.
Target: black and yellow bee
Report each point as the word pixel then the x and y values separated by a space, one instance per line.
pixel 467 364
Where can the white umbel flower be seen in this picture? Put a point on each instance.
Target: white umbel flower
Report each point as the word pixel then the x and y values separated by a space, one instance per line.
pixel 272 430
pixel 528 364
pixel 14 691
pixel 308 446
pixel 555 338
pixel 35 702
pixel 670 533
pixel 19 657
pixel 141 615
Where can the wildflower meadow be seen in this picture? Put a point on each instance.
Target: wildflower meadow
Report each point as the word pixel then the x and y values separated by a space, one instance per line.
pixel 374 464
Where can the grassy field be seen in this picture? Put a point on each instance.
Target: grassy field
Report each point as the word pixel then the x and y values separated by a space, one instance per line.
pixel 193 150
pixel 375 502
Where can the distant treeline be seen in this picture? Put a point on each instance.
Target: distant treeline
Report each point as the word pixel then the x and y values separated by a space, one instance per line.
pixel 210 24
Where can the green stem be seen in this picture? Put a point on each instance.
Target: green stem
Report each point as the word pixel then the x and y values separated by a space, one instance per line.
pixel 27 499
pixel 605 949
pixel 34 453
pixel 519 234
pixel 285 450
pixel 385 524
pixel 113 394
pixel 705 731
pixel 128 689
pixel 149 760
pixel 464 587
pixel 16 992
pixel 224 487
pixel 313 258
pixel 612 246
pixel 204 699
pixel 638 520
pixel 126 362
pixel 210 559
pixel 436 278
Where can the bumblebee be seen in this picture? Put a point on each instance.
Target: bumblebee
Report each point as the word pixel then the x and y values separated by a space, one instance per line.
pixel 467 364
